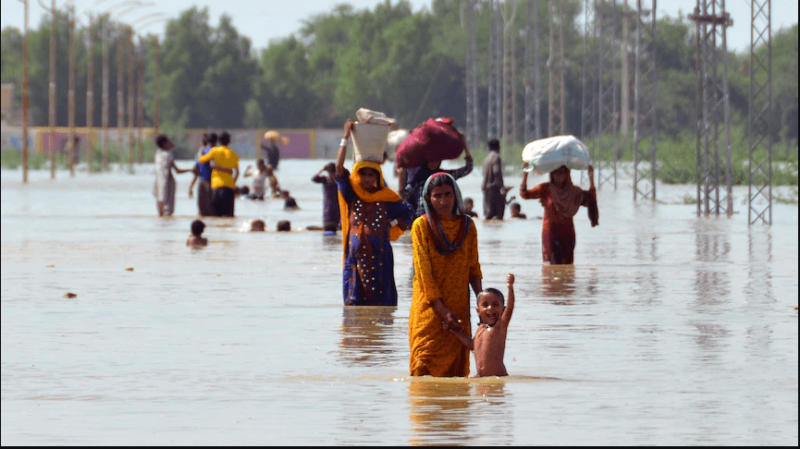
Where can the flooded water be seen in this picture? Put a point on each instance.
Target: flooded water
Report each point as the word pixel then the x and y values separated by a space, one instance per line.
pixel 668 330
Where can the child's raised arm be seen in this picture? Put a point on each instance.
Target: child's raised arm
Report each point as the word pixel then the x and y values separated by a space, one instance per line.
pixel 510 304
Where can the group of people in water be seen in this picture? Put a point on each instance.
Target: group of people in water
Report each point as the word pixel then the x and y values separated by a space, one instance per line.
pixel 444 239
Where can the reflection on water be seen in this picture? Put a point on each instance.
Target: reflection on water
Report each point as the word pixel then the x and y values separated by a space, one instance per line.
pixel 365 331
pixel 671 329
pixel 439 411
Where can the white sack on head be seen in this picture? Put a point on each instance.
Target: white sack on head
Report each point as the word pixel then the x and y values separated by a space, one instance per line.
pixel 546 155
pixel 365 115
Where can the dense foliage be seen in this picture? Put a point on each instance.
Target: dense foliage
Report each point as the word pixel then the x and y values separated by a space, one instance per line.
pixel 409 65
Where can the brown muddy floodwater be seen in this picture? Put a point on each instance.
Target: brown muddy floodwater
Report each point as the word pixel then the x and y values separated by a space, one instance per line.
pixel 669 329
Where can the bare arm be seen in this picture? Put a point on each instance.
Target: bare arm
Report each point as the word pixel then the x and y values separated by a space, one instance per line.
pixel 236 176
pixel 348 127
pixel 247 172
pixel 510 303
pixel 477 285
pixel 464 338
pixel 591 179
pixel 178 170
pixel 449 319
pixel 194 180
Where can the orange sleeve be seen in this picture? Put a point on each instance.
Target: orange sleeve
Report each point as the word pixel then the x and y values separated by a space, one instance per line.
pixel 422 261
pixel 532 194
pixel 474 262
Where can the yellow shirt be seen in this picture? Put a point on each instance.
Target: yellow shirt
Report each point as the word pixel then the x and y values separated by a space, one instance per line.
pixel 225 158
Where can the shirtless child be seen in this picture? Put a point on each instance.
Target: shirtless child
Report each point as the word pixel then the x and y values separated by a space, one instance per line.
pixel 196 239
pixel 489 343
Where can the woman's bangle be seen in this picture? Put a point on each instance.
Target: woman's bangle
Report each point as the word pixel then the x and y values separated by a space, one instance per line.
pixel 343 143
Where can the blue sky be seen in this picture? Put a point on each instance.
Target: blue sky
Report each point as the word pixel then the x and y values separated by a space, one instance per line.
pixel 262 21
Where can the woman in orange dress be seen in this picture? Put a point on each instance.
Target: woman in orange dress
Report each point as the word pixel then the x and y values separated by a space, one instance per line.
pixel 561 201
pixel 446 264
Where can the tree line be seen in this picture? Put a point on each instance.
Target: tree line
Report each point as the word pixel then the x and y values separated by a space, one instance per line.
pixel 410 65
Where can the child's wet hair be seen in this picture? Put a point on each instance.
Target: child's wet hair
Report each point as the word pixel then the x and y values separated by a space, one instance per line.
pixel 516 206
pixel 493 291
pixel 197 227
pixel 330 167
pixel 468 200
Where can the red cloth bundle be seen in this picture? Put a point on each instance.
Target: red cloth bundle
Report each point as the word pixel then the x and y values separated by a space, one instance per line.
pixel 434 140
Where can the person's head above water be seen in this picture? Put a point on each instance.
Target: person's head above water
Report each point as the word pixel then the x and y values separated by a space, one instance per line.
pixel 257 226
pixel 284 225
pixel 197 228
pixel 370 179
pixel 330 167
pixel 468 203
pixel 442 195
pixel 163 142
pixel 491 304
pixel 261 165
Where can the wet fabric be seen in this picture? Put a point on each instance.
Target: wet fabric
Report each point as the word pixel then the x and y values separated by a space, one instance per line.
pixel 494 198
pixel 204 205
pixel 434 350
pixel 203 170
pixel 225 158
pixel 222 199
pixel 330 200
pixel 558 232
pixel 368 260
pixel 164 187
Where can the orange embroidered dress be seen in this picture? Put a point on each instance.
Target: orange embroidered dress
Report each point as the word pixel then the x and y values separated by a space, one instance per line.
pixel 434 350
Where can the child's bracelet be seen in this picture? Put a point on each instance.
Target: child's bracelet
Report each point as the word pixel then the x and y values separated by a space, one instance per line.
pixel 343 143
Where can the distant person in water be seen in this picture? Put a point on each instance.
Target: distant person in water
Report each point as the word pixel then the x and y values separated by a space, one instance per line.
pixel 469 204
pixel 289 202
pixel 257 226
pixel 259 181
pixel 561 201
pixel 223 175
pixel 489 343
pixel 373 215
pixel 330 197
pixel 516 211
pixel 164 187
pixel 197 239
pixel 203 173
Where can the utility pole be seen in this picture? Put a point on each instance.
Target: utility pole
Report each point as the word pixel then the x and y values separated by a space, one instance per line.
pixel 90 94
pixel 760 113
pixel 508 69
pixel 532 119
pixel 713 106
pixel 140 102
pixel 104 102
pixel 51 109
pixel 120 94
pixel 624 98
pixel 557 102
pixel 156 111
pixel 492 128
pixel 606 136
pixel 71 94
pixel 131 99
pixel 645 107
pixel 469 21
pixel 588 100
pixel 25 98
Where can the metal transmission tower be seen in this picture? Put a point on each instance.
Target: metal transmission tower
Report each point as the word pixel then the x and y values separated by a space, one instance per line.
pixel 713 106
pixel 493 113
pixel 556 123
pixel 588 106
pixel 533 127
pixel 606 135
pixel 759 129
pixel 509 131
pixel 471 81
pixel 645 128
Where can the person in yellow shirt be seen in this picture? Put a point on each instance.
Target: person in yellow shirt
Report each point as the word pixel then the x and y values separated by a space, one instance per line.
pixel 225 172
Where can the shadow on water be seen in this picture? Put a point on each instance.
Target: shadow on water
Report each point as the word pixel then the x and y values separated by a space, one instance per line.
pixel 366 336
